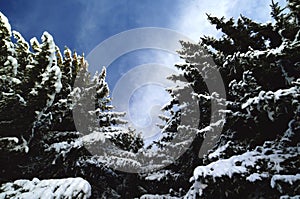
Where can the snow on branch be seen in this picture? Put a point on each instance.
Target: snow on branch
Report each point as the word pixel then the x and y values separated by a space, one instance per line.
pixel 50 188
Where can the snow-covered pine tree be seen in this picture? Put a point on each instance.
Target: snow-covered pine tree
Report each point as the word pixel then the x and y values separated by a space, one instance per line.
pixel 95 114
pixel 190 116
pixel 36 89
pixel 47 83
pixel 61 110
pixel 182 99
pixel 39 138
pixel 259 147
pixel 10 96
pixel 260 66
pixel 270 66
pixel 101 135
pixel 26 94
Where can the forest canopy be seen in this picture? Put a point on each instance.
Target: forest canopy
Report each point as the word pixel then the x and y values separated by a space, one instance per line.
pixel 257 155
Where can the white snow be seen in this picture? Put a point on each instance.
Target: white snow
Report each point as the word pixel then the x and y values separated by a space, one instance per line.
pixel 196 190
pixel 20 39
pixel 288 79
pixel 253 177
pixel 284 178
pixel 246 164
pixel 63 148
pixel 12 139
pixel 33 91
pixel 16 80
pixel 93 137
pixel 34 42
pixel 267 53
pixel 156 176
pixel 242 163
pixel 10 46
pixel 58 75
pixel 277 50
pixel 48 189
pixel 21 99
pixel 290 197
pixel 29 66
pixel 156 196
pixel 271 96
pixel 68 52
pixel 52 71
pixel 13 62
pixel 14 144
pixel 116 161
pixel 270 115
pixel 160 175
pixel 4 20
pixel 225 167
pixel 50 99
pixel 22 146
pixel 218 151
pixel 256 176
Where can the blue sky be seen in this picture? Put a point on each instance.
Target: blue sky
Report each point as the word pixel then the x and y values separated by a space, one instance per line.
pixel 83 24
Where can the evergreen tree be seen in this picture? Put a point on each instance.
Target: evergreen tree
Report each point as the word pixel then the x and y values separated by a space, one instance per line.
pixel 259 64
pixel 258 146
pixel 40 92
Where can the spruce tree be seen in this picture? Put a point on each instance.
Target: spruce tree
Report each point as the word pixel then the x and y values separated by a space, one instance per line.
pixel 259 64
pixel 40 92
pixel 258 153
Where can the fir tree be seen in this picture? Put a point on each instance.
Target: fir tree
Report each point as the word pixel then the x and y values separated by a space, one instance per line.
pixel 42 89
pixel 259 64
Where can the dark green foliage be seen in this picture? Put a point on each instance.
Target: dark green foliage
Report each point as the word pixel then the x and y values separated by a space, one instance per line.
pixel 40 91
pixel 259 63
pixel 257 154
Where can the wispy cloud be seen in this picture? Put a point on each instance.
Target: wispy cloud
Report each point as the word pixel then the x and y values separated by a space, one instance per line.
pixel 102 19
pixel 192 19
pixel 95 16
pixel 141 94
